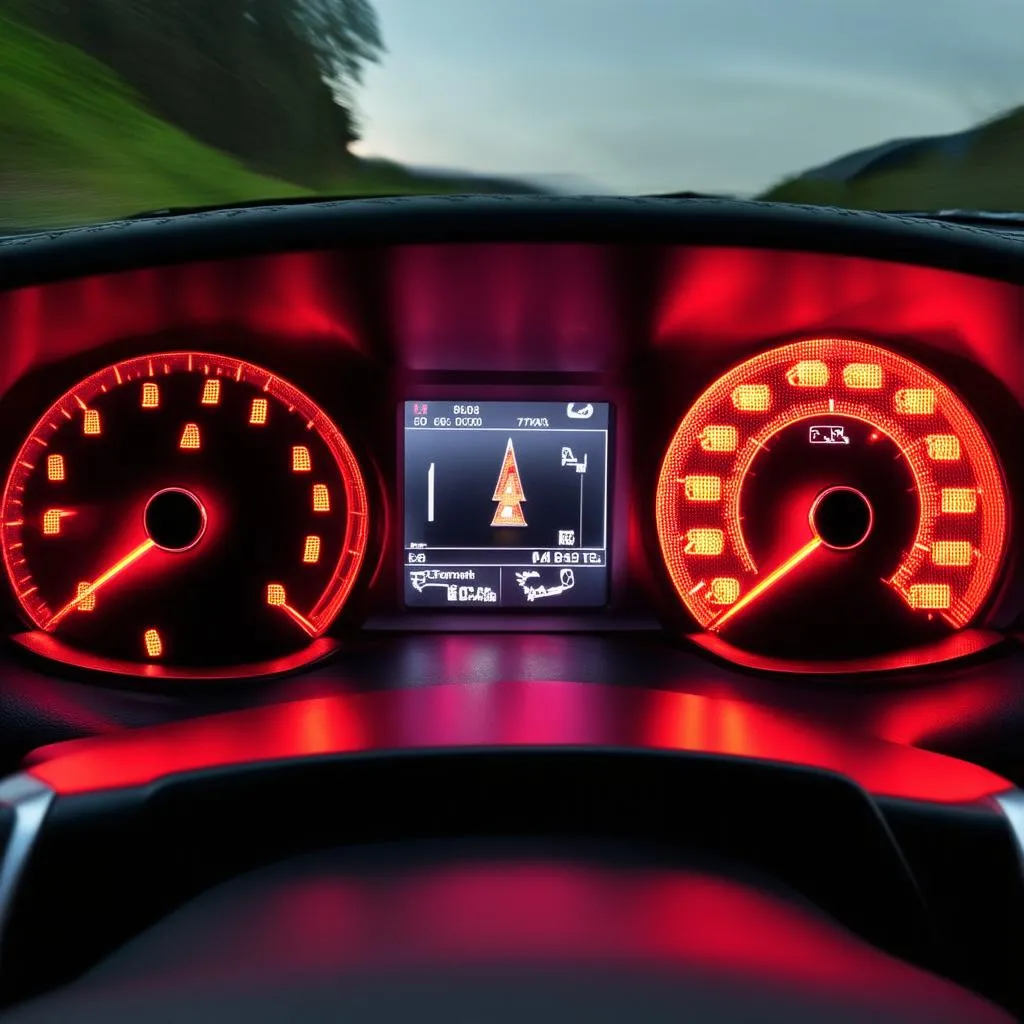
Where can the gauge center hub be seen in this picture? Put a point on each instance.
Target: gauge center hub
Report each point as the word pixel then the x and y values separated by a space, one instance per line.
pixel 175 519
pixel 841 517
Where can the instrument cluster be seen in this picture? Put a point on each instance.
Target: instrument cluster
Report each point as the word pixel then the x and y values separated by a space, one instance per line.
pixel 815 497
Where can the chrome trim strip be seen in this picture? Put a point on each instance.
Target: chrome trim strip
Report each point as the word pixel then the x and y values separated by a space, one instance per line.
pixel 1012 805
pixel 31 800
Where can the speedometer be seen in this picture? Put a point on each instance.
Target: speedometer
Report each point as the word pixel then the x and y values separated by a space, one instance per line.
pixel 184 509
pixel 830 499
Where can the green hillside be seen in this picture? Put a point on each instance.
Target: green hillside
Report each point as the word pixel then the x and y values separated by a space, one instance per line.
pixel 990 176
pixel 79 145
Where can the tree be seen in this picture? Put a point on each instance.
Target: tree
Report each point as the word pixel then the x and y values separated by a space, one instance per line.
pixel 270 81
pixel 345 36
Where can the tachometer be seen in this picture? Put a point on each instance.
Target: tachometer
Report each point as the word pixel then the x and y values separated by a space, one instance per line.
pixel 184 509
pixel 830 499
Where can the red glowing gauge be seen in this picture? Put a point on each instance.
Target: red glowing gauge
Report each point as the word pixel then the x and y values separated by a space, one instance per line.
pixel 831 499
pixel 184 509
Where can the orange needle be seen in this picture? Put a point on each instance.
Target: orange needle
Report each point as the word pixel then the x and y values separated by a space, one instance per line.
pixel 769 581
pixel 104 578
pixel 299 619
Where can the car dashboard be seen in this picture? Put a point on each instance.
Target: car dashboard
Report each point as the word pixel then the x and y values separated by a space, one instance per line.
pixel 475 485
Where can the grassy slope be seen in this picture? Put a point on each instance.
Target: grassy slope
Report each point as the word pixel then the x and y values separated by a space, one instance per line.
pixel 990 177
pixel 77 144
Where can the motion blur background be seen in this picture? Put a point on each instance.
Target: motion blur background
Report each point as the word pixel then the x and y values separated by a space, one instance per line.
pixel 109 107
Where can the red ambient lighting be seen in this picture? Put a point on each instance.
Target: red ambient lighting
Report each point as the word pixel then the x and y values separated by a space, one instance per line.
pixel 510 714
pixel 47 556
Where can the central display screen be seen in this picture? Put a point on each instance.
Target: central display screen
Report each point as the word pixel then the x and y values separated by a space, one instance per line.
pixel 506 504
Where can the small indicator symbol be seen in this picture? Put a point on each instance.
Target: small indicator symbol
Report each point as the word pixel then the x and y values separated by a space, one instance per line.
pixel 579 412
pixel 752 397
pixel 723 590
pixel 211 392
pixel 190 440
pixel 952 552
pixel 719 438
pixel 321 498
pixel 929 596
pixel 704 541
pixel 566 581
pixel 508 492
pixel 915 401
pixel 51 520
pixel 863 376
pixel 153 644
pixel 808 373
pixel 828 433
pixel 943 447
pixel 568 459
pixel 258 412
pixel 702 488
pixel 959 500
pixel 311 550
pixel 86 598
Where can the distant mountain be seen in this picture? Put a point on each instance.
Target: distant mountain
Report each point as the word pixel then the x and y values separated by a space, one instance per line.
pixel 444 179
pixel 979 168
pixel 893 154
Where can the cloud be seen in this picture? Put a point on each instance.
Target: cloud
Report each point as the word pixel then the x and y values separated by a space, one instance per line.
pixel 657 95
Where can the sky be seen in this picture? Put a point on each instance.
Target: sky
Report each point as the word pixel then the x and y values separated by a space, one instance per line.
pixel 634 96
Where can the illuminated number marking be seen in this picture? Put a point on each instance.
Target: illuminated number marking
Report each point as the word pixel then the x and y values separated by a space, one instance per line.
pixel 723 590
pixel 720 438
pixel 55 468
pixel 150 395
pixel 91 422
pixel 321 498
pixel 703 488
pixel 951 552
pixel 87 603
pixel 808 373
pixel 190 440
pixel 258 412
pixel 943 447
pixel 863 376
pixel 752 397
pixel 51 520
pixel 704 541
pixel 311 550
pixel 959 500
pixel 153 644
pixel 929 596
pixel 301 461
pixel 211 392
pixel 915 401
pixel 275 595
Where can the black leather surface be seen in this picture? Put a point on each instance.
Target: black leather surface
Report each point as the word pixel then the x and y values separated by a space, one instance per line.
pixel 498 932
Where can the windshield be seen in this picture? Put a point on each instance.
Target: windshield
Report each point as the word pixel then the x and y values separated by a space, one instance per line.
pixel 110 107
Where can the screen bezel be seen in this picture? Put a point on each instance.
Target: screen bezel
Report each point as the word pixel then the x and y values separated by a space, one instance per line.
pixel 538 394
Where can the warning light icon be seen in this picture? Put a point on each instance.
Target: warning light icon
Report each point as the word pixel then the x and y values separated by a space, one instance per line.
pixel 508 492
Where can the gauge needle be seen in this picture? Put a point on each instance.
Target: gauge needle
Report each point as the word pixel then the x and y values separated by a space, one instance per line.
pixel 299 619
pixel 769 581
pixel 102 580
